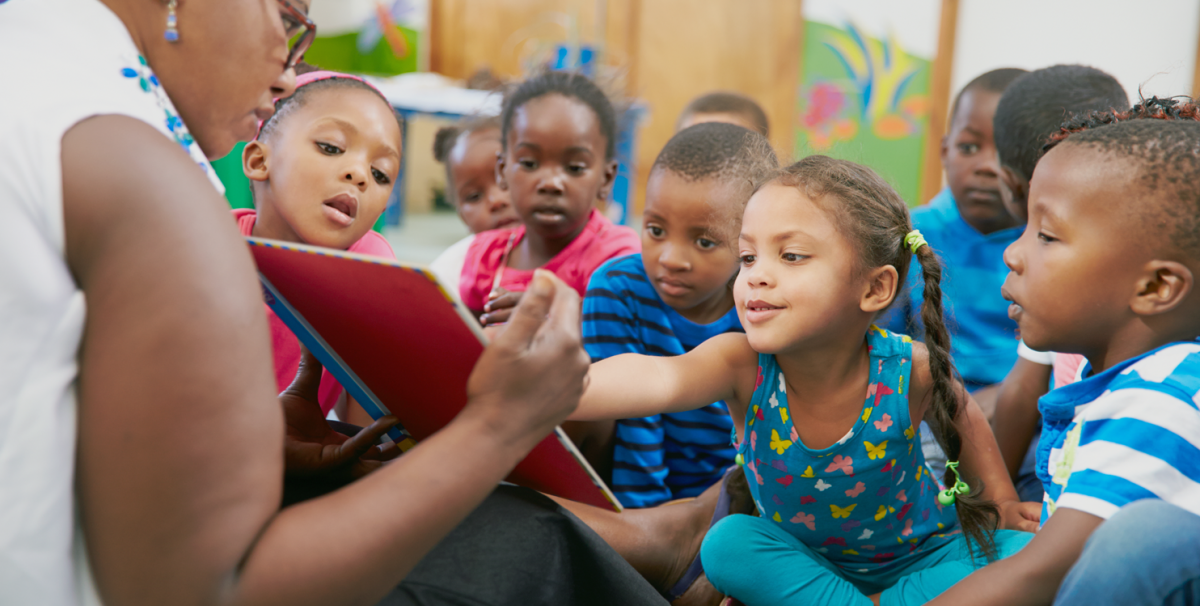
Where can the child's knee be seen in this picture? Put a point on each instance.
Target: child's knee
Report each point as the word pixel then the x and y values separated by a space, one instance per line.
pixel 725 552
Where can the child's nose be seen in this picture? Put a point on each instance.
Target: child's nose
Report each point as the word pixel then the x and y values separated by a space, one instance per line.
pixel 497 199
pixel 989 165
pixel 1011 256
pixel 356 175
pixel 673 259
pixel 553 183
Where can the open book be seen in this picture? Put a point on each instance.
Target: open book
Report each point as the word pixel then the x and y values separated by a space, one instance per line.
pixel 400 344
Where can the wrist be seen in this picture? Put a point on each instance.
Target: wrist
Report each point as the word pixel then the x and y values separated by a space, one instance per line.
pixel 501 423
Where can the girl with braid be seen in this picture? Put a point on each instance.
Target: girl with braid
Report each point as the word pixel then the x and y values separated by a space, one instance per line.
pixel 825 407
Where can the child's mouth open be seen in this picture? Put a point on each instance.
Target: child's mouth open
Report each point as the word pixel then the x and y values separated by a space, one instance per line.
pixel 341 209
pixel 760 311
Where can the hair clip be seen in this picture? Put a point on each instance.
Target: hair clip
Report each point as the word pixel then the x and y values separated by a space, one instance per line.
pixel 915 240
pixel 947 497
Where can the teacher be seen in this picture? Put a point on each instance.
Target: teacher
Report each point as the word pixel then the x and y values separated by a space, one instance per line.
pixel 141 441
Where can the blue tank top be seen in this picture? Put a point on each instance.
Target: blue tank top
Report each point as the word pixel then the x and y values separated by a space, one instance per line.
pixel 868 500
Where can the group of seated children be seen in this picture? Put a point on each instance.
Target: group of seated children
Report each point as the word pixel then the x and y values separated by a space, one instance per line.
pixel 768 421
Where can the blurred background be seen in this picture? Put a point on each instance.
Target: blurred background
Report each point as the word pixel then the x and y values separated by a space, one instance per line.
pixel 867 80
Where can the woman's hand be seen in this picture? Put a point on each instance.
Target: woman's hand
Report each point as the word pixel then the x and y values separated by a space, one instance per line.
pixel 499 306
pixel 1015 515
pixel 312 447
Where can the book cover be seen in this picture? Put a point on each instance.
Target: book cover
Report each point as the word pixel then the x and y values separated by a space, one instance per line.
pixel 399 344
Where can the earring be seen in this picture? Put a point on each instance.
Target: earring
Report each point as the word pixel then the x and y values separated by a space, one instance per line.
pixel 172 33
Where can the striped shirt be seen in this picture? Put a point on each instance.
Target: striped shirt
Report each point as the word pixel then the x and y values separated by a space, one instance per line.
pixel 668 456
pixel 1129 433
pixel 983 336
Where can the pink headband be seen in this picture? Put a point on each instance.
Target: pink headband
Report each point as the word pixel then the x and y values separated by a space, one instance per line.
pixel 310 77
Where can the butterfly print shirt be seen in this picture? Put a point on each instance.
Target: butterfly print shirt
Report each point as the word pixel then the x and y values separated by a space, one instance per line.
pixel 866 501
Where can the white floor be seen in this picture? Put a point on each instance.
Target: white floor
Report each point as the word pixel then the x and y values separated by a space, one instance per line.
pixel 423 237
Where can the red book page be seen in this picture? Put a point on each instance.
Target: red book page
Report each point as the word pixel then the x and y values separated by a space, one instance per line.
pixel 409 345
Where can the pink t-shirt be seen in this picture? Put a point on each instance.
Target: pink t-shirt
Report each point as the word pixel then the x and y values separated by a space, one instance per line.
pixel 1066 368
pixel 599 241
pixel 284 345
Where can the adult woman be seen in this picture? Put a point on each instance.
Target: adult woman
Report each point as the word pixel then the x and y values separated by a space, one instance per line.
pixel 177 466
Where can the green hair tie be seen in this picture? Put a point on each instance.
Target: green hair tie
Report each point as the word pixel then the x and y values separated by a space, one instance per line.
pixel 915 240
pixel 947 497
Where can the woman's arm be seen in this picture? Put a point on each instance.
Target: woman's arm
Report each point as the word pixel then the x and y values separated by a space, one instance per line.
pixel 632 385
pixel 1016 418
pixel 180 444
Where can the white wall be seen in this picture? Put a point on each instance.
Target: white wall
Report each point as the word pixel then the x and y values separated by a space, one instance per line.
pixel 1150 43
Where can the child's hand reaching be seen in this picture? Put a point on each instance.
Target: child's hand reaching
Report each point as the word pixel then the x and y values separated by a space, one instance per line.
pixel 311 446
pixel 1015 515
pixel 499 306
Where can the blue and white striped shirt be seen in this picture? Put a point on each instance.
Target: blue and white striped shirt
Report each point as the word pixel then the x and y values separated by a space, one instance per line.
pixel 1129 433
pixel 668 456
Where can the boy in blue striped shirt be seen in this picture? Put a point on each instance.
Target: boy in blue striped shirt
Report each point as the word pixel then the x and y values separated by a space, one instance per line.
pixel 672 297
pixel 1107 268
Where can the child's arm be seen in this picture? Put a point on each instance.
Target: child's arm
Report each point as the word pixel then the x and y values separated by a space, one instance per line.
pixel 1032 575
pixel 1016 411
pixel 631 385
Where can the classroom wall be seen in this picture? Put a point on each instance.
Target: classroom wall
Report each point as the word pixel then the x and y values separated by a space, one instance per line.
pixel 1148 44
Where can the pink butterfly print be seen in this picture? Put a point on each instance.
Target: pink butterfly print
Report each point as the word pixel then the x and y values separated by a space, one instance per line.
pixel 882 491
pixel 759 415
pixel 778 501
pixel 900 495
pixel 882 390
pixel 849 525
pixel 753 440
pixel 780 465
pixel 845 464
pixel 787 481
pixel 834 541
pixel 758 380
pixel 882 557
pixel 924 515
pixel 888 466
pixel 795 437
pixel 807 519
pixel 806 499
pixel 857 490
pixel 754 470
pixel 907 528
pixel 904 511
pixel 884 423
pixel 871 390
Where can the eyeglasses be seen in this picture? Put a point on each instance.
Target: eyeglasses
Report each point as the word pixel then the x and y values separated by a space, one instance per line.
pixel 295 22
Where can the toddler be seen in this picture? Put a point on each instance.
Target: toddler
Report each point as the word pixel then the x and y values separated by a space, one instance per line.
pixel 321 171
pixel 557 139
pixel 673 296
pixel 824 406
pixel 469 152
pixel 1107 269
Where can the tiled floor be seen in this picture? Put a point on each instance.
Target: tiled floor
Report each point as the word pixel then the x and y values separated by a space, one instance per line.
pixel 424 236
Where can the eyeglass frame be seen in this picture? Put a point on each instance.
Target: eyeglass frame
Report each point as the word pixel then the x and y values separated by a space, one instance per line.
pixel 296 52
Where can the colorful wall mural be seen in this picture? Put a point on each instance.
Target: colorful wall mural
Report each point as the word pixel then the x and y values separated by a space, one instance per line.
pixel 864 99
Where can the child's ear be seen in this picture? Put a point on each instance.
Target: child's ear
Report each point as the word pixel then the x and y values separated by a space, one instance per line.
pixel 610 176
pixel 1162 287
pixel 500 166
pixel 1018 186
pixel 881 286
pixel 254 161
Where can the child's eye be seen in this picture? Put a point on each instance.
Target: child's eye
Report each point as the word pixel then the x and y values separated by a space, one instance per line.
pixel 380 177
pixel 472 197
pixel 747 260
pixel 527 164
pixel 705 243
pixel 968 148
pixel 793 257
pixel 656 231
pixel 1045 238
pixel 576 169
pixel 332 150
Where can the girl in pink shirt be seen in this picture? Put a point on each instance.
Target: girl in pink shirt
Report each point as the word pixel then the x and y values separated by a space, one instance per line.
pixel 321 171
pixel 557 135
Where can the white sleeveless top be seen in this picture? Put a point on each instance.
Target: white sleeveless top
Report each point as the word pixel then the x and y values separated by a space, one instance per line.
pixel 64 60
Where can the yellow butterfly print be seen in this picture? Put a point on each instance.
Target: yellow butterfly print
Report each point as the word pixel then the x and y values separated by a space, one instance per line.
pixel 883 511
pixel 783 414
pixel 909 433
pixel 780 520
pixel 808 473
pixel 849 552
pixel 867 414
pixel 777 444
pixel 906 338
pixel 882 332
pixel 901 389
pixel 876 452
pixel 753 414
pixel 841 512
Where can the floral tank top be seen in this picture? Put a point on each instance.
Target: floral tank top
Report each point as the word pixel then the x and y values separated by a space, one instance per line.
pixel 868 500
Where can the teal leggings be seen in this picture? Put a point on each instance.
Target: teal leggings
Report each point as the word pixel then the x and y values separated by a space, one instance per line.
pixel 761 564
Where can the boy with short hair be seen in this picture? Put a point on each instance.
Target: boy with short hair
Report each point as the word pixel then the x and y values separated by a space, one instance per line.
pixel 728 107
pixel 1107 268
pixel 1030 111
pixel 672 297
